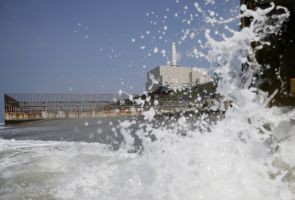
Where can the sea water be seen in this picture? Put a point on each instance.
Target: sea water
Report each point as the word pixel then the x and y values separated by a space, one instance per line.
pixel 248 154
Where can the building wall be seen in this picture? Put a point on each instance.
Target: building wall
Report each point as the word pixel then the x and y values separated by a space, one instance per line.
pixel 175 77
pixel 154 79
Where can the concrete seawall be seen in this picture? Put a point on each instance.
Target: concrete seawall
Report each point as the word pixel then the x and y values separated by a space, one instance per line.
pixel 18 117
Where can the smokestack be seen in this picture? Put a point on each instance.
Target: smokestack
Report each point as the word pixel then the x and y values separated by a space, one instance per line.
pixel 174 54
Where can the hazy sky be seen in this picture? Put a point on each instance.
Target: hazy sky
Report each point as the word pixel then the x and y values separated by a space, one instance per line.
pixel 98 46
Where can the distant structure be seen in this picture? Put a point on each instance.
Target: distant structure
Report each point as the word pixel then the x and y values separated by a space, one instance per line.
pixel 21 107
pixel 174 76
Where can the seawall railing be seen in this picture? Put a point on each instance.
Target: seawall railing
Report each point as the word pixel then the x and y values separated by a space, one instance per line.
pixel 20 107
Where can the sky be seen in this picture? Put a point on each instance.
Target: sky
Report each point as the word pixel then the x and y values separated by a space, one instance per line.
pixel 100 46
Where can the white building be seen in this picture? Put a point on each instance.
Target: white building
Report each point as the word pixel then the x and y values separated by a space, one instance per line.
pixel 174 76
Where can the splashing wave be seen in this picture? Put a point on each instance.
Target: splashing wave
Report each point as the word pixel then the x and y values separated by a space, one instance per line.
pixel 246 155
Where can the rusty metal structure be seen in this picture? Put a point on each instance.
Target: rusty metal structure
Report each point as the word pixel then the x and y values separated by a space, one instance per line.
pixel 20 107
pixel 280 76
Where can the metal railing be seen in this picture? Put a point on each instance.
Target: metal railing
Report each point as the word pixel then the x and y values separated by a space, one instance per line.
pixel 60 97
pixel 25 106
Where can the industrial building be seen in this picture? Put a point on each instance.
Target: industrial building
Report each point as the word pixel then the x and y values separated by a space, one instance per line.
pixel 174 76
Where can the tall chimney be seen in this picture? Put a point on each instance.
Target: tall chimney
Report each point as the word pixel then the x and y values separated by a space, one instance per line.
pixel 174 54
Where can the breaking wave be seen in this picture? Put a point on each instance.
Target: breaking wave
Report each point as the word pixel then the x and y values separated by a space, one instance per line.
pixel 249 154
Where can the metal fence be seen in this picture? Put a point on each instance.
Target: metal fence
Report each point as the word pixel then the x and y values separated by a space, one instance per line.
pixel 33 102
pixel 42 97
pixel 25 106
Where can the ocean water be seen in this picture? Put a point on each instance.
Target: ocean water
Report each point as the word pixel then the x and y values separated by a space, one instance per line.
pixel 86 130
pixel 248 154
